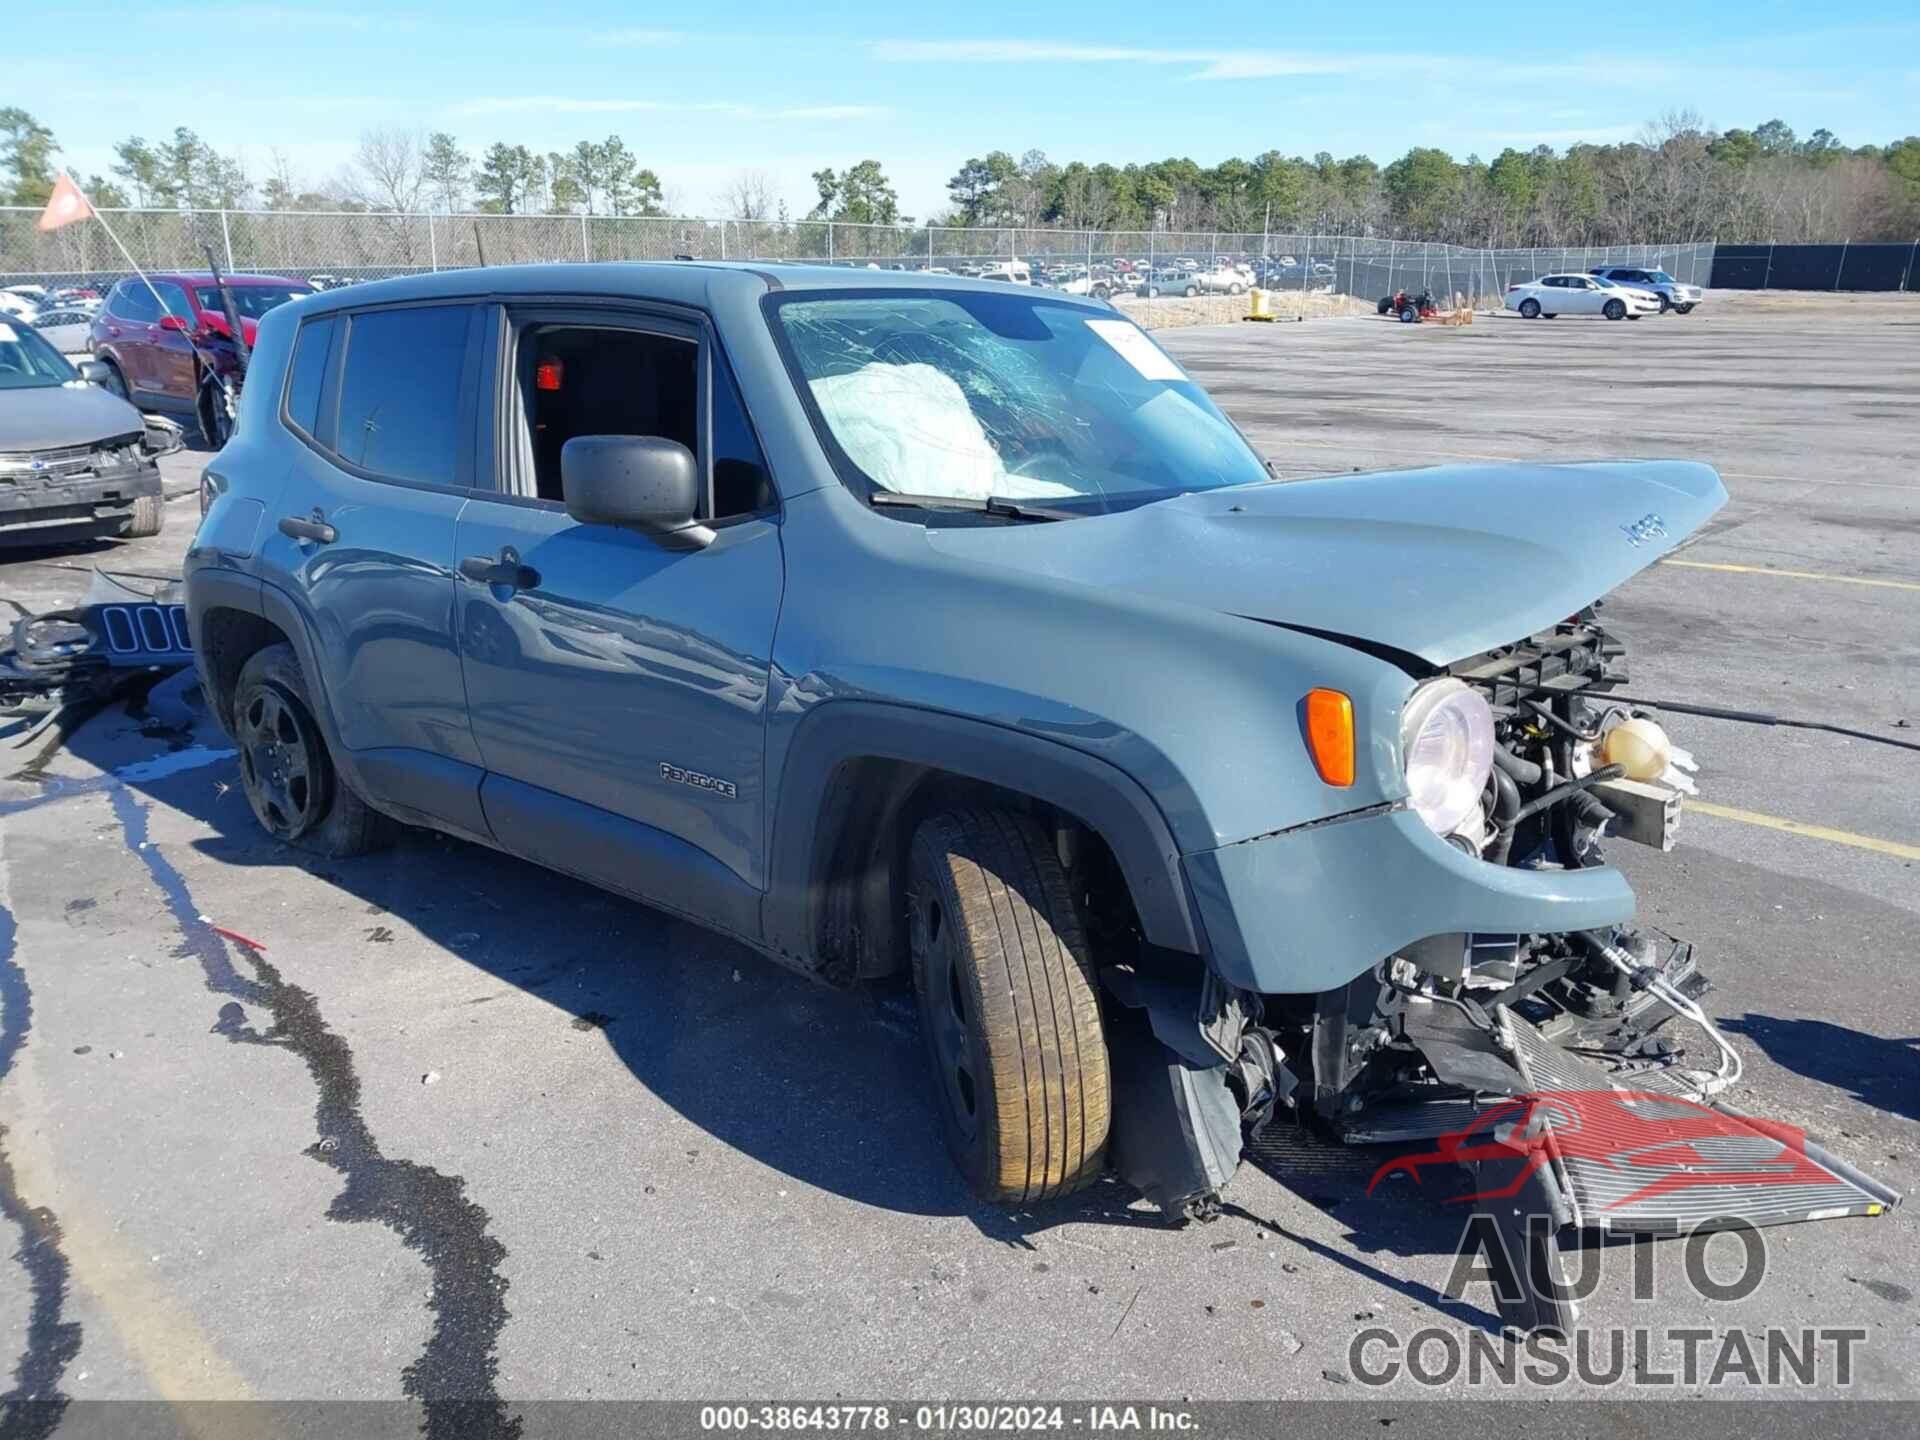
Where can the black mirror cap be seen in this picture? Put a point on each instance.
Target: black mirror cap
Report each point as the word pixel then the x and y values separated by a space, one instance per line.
pixel 638 482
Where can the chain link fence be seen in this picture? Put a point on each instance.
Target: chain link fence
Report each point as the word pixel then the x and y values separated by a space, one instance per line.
pixel 343 247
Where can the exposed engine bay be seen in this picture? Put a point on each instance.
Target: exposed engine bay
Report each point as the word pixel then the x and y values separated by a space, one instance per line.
pixel 1436 1038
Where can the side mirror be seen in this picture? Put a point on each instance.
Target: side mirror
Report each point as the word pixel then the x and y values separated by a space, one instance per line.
pixel 94 372
pixel 638 482
pixel 172 322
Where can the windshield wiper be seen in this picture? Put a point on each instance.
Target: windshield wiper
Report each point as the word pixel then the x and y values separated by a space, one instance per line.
pixel 992 505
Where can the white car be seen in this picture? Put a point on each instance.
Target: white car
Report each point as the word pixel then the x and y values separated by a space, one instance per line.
pixel 1553 295
pixel 16 306
pixel 66 328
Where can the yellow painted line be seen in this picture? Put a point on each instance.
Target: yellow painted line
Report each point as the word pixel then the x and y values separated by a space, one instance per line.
pixel 1812 832
pixel 1794 574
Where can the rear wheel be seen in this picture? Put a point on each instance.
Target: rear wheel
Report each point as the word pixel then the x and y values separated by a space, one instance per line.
pixel 1387 304
pixel 288 773
pixel 1530 309
pixel 1615 310
pixel 1008 1006
pixel 147 518
pixel 1684 309
pixel 1665 303
pixel 1191 292
pixel 1235 288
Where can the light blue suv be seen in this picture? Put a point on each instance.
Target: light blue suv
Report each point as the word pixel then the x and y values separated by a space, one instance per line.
pixel 902 625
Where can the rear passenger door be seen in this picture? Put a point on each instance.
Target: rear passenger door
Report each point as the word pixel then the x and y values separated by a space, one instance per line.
pixel 618 688
pixel 363 540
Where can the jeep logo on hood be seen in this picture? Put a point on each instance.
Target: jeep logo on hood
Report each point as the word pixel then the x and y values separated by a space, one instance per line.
pixel 1647 527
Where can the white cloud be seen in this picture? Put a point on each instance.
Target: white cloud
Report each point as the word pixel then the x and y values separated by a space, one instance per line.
pixel 1213 64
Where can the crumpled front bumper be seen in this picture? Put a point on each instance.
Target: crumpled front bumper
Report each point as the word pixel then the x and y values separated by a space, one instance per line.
pixel 1303 910
pixel 30 508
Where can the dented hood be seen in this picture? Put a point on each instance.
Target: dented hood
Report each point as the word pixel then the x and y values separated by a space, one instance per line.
pixel 1440 563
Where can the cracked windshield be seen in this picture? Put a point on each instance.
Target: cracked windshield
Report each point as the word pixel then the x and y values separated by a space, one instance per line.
pixel 976 397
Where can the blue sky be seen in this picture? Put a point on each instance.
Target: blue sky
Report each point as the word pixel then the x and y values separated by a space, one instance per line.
pixel 702 94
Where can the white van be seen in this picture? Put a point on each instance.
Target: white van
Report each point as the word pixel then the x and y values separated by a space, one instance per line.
pixel 1014 272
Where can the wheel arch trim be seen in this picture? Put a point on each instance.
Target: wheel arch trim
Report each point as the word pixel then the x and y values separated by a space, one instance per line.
pixel 1091 790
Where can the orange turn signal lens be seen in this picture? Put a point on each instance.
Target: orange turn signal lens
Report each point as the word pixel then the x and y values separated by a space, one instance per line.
pixel 1329 717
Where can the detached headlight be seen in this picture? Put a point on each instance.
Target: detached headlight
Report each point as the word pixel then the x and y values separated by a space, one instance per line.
pixel 1446 733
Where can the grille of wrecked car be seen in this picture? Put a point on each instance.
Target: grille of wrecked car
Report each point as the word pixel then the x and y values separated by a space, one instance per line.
pixel 71 462
pixel 1572 657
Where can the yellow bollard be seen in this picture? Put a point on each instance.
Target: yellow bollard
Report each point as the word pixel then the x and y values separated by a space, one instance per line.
pixel 1259 304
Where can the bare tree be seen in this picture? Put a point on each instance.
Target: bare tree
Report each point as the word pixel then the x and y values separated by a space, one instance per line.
pixel 388 169
pixel 748 196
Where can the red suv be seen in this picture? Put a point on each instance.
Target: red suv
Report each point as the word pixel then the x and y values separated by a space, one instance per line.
pixel 165 358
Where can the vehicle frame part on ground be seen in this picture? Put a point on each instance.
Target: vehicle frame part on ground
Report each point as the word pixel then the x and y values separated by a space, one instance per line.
pixel 942 629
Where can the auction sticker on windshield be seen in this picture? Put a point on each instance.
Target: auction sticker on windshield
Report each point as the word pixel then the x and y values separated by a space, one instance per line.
pixel 1136 349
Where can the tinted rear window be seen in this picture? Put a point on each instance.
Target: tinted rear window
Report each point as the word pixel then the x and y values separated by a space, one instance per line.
pixel 400 392
pixel 309 370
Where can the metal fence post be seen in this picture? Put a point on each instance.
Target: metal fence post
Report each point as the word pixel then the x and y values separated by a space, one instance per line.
pixel 1841 268
pixel 586 250
pixel 723 239
pixel 1766 281
pixel 226 235
pixel 433 246
pixel 1913 252
pixel 829 242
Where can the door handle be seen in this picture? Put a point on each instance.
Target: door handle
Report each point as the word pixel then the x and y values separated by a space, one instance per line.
pixel 507 570
pixel 314 528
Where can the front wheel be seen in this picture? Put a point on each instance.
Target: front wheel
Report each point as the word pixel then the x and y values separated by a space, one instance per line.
pixel 1008 1006
pixel 1191 292
pixel 1235 288
pixel 1615 310
pixel 1409 315
pixel 1529 309
pixel 147 518
pixel 216 415
pixel 1684 309
pixel 287 771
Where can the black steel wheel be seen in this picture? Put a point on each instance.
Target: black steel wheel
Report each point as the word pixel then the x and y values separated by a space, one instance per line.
pixel 296 792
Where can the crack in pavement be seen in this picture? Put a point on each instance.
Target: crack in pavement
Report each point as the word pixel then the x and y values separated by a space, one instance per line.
pixel 33 1407
pixel 455 1375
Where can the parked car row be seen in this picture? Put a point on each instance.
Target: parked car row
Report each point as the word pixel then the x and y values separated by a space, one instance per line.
pixel 1597 293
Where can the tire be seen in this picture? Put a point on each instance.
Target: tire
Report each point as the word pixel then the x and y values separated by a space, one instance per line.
pixel 1614 309
pixel 1665 303
pixel 1153 292
pixel 1529 309
pixel 216 425
pixel 148 516
pixel 1684 309
pixel 1634 316
pixel 1551 315
pixel 116 383
pixel 1387 304
pixel 1409 315
pixel 1009 1008
pixel 1191 292
pixel 1235 288
pixel 287 772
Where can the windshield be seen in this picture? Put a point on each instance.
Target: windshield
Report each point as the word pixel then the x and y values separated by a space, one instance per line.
pixel 967 397
pixel 252 301
pixel 1660 277
pixel 28 362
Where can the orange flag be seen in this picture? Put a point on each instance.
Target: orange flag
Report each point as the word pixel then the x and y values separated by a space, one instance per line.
pixel 65 205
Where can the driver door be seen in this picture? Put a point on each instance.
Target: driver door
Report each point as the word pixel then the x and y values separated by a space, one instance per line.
pixel 618 688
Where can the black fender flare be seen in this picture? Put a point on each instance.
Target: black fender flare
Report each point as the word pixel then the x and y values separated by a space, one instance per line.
pixel 1097 793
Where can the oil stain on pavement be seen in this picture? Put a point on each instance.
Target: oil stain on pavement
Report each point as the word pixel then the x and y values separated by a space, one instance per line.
pixel 32 1406
pixel 455 1375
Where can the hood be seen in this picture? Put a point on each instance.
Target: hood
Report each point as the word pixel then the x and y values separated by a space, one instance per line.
pixel 58 415
pixel 1440 563
pixel 216 321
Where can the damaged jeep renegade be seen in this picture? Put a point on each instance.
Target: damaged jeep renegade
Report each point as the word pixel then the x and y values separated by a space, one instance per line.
pixel 902 626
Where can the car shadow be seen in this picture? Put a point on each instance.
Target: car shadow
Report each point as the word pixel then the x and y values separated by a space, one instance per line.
pixel 826 1086
pixel 1878 1072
